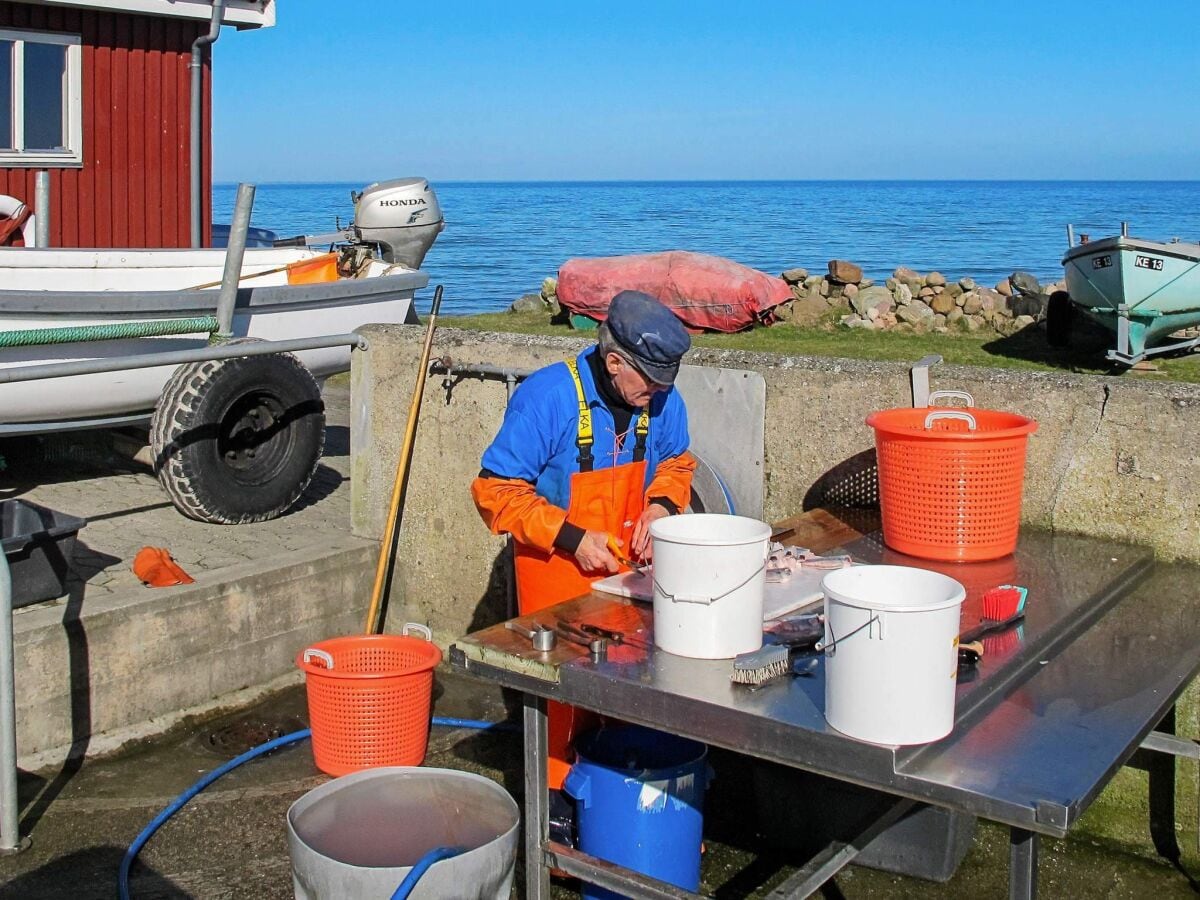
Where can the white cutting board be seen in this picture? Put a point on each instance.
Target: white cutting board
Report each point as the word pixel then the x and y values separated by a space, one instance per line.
pixel 779 598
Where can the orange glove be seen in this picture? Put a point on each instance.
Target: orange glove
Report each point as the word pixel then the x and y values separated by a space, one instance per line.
pixel 155 567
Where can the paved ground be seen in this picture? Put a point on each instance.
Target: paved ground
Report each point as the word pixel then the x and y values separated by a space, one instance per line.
pixel 88 475
pixel 230 842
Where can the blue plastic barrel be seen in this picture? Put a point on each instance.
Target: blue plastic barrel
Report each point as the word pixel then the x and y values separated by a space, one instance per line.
pixel 640 802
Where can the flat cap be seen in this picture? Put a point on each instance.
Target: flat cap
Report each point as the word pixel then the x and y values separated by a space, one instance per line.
pixel 650 333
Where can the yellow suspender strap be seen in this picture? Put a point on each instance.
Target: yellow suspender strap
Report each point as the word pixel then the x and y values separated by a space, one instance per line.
pixel 583 435
pixel 640 431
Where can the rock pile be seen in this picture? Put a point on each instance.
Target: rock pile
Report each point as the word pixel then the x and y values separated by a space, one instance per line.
pixel 908 301
pixel 911 301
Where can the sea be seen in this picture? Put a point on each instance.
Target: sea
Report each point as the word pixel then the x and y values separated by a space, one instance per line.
pixel 502 238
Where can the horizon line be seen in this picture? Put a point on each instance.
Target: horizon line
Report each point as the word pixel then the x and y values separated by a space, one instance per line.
pixel 225 182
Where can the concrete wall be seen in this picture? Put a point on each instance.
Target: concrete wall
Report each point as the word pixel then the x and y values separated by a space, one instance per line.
pixel 132 665
pixel 1113 457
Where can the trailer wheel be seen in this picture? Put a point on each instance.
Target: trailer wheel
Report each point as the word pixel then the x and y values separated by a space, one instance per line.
pixel 1060 313
pixel 238 440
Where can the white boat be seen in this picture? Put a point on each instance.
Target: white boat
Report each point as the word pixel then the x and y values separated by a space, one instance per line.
pixel 370 276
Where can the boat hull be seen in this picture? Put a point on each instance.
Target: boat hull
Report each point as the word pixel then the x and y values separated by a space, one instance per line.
pixel 264 310
pixel 1142 290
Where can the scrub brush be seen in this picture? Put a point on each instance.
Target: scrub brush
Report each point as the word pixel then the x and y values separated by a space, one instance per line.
pixel 1004 602
pixel 776 657
pixel 769 662
pixel 1003 607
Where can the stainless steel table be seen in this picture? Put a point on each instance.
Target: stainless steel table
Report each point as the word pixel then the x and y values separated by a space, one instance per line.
pixel 1109 641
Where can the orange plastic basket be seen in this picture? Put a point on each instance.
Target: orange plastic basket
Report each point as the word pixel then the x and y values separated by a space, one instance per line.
pixel 950 480
pixel 369 698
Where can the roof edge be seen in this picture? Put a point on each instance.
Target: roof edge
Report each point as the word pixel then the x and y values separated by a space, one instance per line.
pixel 240 13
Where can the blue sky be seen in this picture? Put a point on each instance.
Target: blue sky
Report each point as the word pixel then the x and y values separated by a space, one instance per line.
pixel 367 89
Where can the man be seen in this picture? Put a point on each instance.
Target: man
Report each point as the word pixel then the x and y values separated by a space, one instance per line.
pixel 591 449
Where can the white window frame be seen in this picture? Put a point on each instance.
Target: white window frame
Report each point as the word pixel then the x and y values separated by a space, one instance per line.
pixel 72 155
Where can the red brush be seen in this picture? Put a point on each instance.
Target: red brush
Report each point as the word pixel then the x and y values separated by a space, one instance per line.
pixel 1003 607
pixel 1004 602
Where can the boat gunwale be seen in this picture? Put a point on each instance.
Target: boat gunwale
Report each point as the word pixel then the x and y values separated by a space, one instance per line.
pixel 1125 245
pixel 187 302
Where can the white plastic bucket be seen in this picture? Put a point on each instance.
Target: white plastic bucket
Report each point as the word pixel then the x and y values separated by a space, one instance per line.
pixel 891 653
pixel 709 573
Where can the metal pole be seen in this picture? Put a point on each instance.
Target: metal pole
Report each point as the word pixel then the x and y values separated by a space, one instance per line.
pixel 41 206
pixel 1070 236
pixel 919 375
pixel 233 260
pixel 177 357
pixel 10 841
pixel 196 160
pixel 1125 229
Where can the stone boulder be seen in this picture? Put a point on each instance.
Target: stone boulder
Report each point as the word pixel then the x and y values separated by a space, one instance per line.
pixel 869 298
pixel 795 276
pixel 1027 305
pixel 903 294
pixel 1004 286
pixel 1024 283
pixel 935 279
pixel 913 313
pixel 967 284
pixel 972 303
pixel 529 303
pixel 990 299
pixel 906 274
pixel 844 272
pixel 809 310
pixel 942 303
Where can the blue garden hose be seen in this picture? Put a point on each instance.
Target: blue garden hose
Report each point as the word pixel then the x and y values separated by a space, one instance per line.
pixel 415 873
pixel 178 803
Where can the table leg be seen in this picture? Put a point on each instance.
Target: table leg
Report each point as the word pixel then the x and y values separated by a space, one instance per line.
pixel 537 800
pixel 1022 864
pixel 1161 769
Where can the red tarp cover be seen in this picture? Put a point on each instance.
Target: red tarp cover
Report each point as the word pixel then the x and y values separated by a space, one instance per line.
pixel 706 292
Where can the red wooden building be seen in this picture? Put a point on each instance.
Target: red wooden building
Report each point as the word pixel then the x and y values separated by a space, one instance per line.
pixel 99 94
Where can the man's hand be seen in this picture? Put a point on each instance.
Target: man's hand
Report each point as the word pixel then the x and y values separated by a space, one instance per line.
pixel 640 544
pixel 593 554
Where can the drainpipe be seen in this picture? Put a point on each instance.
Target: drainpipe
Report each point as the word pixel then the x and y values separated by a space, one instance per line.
pixel 197 72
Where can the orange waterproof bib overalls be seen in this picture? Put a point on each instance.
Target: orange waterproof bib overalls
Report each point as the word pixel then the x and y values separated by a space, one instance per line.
pixel 608 500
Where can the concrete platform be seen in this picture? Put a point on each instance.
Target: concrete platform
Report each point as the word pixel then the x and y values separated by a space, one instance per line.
pixel 113 659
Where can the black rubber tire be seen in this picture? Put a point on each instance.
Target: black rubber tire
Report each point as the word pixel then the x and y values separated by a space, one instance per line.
pixel 238 440
pixel 1060 315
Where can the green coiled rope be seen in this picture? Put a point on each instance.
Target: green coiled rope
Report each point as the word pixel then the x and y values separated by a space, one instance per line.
pixel 76 333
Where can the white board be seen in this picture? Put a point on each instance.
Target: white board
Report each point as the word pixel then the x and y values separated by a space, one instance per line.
pixel 779 598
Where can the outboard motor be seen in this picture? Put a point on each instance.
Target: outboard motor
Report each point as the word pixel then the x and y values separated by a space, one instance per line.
pixel 402 216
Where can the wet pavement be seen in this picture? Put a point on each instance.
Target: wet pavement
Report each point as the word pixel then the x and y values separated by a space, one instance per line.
pixel 230 841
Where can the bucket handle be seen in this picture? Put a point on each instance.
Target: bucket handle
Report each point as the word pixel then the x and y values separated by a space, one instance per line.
pixel 706 601
pixel 956 395
pixel 830 646
pixel 324 657
pixel 950 414
pixel 422 630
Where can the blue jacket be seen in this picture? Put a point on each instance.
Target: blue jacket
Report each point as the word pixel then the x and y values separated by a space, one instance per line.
pixel 536 442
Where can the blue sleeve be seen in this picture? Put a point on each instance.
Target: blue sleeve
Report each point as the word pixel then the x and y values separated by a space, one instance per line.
pixel 529 435
pixel 670 432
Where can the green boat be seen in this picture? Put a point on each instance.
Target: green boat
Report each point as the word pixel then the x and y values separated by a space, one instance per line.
pixel 1144 291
